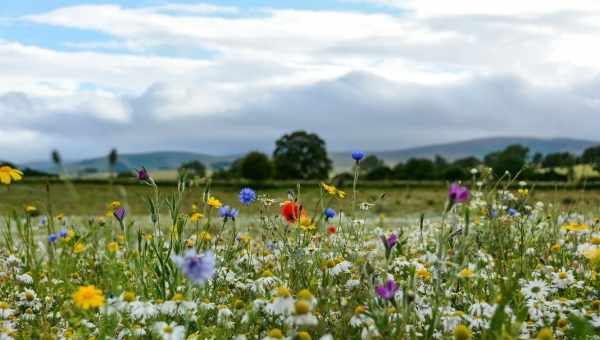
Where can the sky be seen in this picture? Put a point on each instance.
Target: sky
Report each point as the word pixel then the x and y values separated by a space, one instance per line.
pixel 232 76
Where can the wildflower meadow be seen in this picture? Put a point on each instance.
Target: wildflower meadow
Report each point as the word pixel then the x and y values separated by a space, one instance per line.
pixel 492 264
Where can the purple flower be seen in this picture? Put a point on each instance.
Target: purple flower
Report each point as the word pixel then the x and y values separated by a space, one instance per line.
pixel 247 196
pixel 63 233
pixel 388 290
pixel 358 155
pixel 197 267
pixel 119 214
pixel 329 213
pixel 458 193
pixel 228 212
pixel 52 238
pixel 390 241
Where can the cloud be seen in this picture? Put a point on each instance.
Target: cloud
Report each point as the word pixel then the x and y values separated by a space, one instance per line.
pixel 356 110
pixel 488 7
pixel 222 79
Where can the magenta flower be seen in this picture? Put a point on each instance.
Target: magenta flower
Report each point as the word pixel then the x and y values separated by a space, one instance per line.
pixel 119 214
pixel 458 193
pixel 144 176
pixel 388 290
pixel 390 241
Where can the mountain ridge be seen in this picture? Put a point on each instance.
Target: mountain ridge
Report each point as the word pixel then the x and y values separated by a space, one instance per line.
pixel 163 160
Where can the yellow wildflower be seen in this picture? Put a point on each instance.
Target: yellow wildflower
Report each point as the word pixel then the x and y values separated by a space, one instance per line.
pixel 333 191
pixel 78 248
pixel 70 234
pixel 88 297
pixel 307 224
pixel 423 274
pixel 205 236
pixel 466 273
pixel 214 202
pixel 196 217
pixel 592 254
pixel 112 247
pixel 576 227
pixel 115 204
pixel 8 175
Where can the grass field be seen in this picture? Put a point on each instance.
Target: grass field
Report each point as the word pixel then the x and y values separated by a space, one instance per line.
pixel 85 199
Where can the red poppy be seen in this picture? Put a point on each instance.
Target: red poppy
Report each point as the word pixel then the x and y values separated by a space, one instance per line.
pixel 331 229
pixel 290 211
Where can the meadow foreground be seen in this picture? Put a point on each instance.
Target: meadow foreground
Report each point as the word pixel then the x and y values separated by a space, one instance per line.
pixel 494 264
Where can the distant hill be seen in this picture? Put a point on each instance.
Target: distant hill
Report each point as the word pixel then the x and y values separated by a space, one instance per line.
pixel 164 160
pixel 160 160
pixel 474 147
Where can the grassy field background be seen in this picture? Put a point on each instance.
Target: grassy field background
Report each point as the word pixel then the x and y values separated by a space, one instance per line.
pixel 93 199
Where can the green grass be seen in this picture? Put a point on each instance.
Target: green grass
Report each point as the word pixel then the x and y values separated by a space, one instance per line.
pixel 86 199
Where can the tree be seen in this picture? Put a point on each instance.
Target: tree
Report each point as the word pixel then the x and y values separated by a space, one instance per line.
pixel 370 163
pixel 380 173
pixel 559 159
pixel 454 173
pixel 398 171
pixel 418 169
pixel 57 160
pixel 113 157
pixel 301 155
pixel 537 159
pixel 467 163
pixel 192 168
pixel 256 166
pixel 512 159
pixel 591 156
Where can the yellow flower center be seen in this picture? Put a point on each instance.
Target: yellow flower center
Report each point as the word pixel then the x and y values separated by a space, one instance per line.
pixel 545 334
pixel 276 333
pixel 462 332
pixel 302 307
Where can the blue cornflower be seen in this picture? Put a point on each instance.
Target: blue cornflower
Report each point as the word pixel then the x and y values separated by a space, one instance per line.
pixel 358 155
pixel 228 212
pixel 247 196
pixel 329 213
pixel 52 238
pixel 513 212
pixel 63 233
pixel 197 267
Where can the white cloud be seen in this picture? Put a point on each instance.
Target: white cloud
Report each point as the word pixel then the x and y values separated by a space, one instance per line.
pixel 205 73
pixel 489 7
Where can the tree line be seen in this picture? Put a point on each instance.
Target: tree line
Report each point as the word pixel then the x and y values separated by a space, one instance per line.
pixel 303 155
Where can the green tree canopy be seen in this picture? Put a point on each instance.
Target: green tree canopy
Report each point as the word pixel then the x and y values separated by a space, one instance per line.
pixel 256 166
pixel 559 159
pixel 512 159
pixel 301 155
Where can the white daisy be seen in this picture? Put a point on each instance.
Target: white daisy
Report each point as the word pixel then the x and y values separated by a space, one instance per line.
pixel 536 289
pixel 169 331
